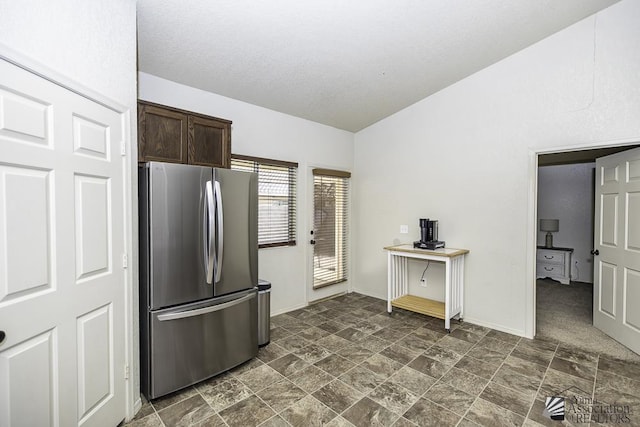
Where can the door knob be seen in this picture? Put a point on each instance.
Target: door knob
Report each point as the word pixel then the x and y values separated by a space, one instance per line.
pixel 2 336
pixel 595 252
pixel 313 242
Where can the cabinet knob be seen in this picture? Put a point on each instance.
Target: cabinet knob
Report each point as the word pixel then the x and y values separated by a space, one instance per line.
pixel 2 336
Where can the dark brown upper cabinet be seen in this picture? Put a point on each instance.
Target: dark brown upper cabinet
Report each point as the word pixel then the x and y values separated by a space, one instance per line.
pixel 162 134
pixel 209 142
pixel 168 134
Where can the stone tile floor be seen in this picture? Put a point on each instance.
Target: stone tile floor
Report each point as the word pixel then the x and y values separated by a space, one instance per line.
pixel 345 362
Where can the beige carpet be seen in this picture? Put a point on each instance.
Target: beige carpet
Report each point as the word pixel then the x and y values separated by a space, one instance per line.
pixel 564 313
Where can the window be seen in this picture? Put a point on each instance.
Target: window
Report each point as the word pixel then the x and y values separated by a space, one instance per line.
pixel 330 226
pixel 276 198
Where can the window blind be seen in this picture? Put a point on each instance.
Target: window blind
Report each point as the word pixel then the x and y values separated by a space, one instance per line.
pixel 331 226
pixel 276 198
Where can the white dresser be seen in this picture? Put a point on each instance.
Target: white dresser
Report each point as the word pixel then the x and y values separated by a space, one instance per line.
pixel 554 263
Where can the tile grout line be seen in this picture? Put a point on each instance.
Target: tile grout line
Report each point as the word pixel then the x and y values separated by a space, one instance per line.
pixel 335 353
pixel 353 404
pixel 593 390
pixel 356 343
pixel 368 394
pixel 217 412
pixel 212 408
pixel 491 379
pixel 555 351
pixel 173 404
pixel 157 415
pixel 463 418
pixel 450 368
pixel 405 365
pixel 277 414
pixel 152 413
pixel 385 381
pixel 476 398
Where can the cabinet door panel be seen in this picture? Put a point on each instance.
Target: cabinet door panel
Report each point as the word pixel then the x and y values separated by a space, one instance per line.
pixel 209 142
pixel 163 135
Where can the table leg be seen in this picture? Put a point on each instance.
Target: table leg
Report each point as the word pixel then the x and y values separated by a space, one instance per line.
pixel 390 280
pixel 447 294
pixel 461 284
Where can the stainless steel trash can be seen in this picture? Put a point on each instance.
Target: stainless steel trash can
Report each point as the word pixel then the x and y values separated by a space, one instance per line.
pixel 264 312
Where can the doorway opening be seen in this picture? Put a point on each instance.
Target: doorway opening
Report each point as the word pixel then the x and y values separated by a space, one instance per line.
pixel 563 268
pixel 564 264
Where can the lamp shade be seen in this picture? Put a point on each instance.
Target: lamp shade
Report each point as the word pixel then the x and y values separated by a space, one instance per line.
pixel 549 225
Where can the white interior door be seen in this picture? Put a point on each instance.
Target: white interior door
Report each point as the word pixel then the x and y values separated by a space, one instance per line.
pixel 61 246
pixel 617 242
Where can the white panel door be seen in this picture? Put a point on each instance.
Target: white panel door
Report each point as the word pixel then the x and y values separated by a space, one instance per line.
pixel 617 241
pixel 61 246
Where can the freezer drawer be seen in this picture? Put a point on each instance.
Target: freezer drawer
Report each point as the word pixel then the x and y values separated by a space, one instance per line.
pixel 201 340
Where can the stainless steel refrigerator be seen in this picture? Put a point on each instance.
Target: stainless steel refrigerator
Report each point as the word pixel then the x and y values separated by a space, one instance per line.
pixel 198 273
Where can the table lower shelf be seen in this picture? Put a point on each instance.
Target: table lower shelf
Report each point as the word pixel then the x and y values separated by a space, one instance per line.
pixel 420 305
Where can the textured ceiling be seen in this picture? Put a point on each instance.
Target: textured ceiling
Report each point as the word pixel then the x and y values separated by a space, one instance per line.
pixel 344 63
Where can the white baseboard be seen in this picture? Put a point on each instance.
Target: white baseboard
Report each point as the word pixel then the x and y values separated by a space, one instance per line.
pixel 288 309
pixel 495 326
pixel 370 294
pixel 303 305
pixel 137 405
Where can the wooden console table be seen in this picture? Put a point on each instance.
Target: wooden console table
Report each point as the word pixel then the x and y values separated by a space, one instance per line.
pixel 398 282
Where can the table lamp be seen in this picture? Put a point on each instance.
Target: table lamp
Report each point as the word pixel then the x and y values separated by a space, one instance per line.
pixel 549 225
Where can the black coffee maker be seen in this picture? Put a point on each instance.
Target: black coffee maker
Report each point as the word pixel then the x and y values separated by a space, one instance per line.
pixel 428 235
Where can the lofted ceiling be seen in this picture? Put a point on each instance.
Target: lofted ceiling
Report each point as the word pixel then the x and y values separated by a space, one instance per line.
pixel 343 63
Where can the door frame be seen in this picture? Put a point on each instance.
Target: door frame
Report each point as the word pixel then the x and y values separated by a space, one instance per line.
pixel 532 219
pixel 133 401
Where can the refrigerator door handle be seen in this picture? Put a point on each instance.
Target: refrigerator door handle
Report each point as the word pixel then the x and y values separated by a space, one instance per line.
pixel 219 231
pixel 204 310
pixel 209 246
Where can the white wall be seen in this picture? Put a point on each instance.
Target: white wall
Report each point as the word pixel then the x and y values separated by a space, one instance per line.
pixel 260 132
pixel 462 156
pixel 91 44
pixel 565 192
